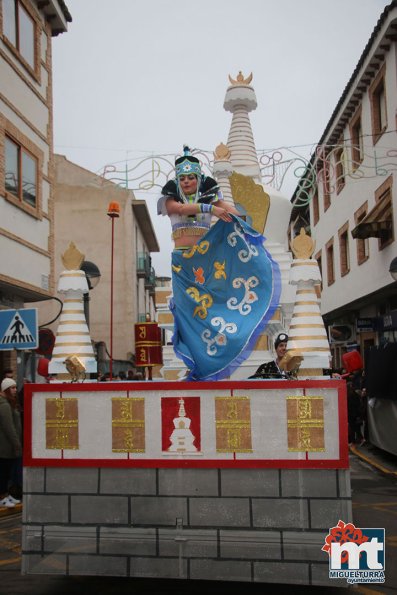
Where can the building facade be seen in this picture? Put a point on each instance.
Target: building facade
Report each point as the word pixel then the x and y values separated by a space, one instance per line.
pixel 26 152
pixel 81 200
pixel 351 184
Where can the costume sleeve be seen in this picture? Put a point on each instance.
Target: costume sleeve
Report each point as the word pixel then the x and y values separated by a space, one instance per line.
pixel 161 208
pixel 168 191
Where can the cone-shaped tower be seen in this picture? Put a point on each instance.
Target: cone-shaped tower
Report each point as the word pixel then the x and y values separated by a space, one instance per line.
pixel 73 336
pixel 240 100
pixel 307 333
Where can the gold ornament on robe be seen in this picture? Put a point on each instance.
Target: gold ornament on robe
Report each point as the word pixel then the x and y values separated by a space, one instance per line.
pixel 240 80
pixel 303 245
pixel 72 258
pixel 252 198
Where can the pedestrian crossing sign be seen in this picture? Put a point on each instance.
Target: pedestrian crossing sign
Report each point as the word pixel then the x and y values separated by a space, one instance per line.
pixel 18 329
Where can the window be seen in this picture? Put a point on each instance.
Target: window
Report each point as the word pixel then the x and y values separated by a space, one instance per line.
pixel 339 168
pixel 20 173
pixel 344 256
pixel 319 286
pixel 383 199
pixel 377 97
pixel 329 250
pixel 356 140
pixel 19 29
pixel 362 245
pixel 316 211
pixel 323 181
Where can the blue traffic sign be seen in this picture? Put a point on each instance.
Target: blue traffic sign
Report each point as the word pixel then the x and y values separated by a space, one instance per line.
pixel 18 329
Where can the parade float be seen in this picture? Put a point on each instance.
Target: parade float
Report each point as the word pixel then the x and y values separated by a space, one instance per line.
pixel 236 480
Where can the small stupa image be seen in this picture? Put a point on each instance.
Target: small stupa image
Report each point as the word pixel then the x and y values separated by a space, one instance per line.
pixel 182 438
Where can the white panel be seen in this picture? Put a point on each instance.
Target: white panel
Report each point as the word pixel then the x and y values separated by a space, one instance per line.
pixel 269 424
pixel 45 196
pixel 23 264
pixel 23 225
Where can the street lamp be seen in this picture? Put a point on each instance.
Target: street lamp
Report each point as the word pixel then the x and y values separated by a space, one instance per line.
pixel 93 276
pixel 393 268
pixel 113 213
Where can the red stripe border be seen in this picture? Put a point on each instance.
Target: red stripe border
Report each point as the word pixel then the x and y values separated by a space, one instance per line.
pixel 341 463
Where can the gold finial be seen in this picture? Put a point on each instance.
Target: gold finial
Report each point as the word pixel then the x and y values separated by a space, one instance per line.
pixel 222 153
pixel 303 245
pixel 240 80
pixel 72 258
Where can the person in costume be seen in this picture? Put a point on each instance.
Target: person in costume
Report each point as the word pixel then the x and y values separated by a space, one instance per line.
pixel 190 200
pixel 272 369
pixel 225 284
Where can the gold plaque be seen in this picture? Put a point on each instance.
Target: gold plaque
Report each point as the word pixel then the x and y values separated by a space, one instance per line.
pixel 305 417
pixel 252 198
pixel 128 425
pixel 62 431
pixel 233 424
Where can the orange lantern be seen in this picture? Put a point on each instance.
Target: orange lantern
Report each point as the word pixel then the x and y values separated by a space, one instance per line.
pixel 114 209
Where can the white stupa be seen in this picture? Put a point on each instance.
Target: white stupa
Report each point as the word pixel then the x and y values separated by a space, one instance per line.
pixel 307 334
pixel 237 170
pixel 73 340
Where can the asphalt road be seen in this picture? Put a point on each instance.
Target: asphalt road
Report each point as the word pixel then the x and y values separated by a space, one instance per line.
pixel 374 505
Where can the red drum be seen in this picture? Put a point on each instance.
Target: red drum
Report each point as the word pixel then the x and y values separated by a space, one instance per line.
pixel 148 351
pixel 352 361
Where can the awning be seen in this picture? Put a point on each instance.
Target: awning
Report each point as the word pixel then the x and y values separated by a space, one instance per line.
pixel 378 223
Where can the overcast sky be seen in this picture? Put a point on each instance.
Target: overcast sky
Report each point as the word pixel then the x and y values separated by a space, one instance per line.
pixel 134 78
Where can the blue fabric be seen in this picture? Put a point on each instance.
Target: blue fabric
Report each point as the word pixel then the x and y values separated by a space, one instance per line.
pixel 225 290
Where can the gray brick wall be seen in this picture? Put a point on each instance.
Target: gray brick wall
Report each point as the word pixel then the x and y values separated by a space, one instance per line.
pixel 261 525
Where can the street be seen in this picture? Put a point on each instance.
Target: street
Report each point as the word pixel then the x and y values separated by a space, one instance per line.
pixel 374 505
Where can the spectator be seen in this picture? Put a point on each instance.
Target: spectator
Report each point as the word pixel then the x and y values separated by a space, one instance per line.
pixel 10 439
pixel 7 373
pixel 354 414
pixel 273 369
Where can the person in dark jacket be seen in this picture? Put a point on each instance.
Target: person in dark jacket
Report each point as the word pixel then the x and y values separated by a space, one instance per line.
pixel 10 439
pixel 354 414
pixel 272 369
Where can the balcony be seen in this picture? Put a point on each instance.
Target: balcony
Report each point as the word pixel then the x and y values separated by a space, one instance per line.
pixel 150 281
pixel 143 265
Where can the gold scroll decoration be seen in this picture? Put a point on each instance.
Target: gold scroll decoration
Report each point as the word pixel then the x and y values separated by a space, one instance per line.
pixel 233 424
pixel 305 417
pixel 62 424
pixel 128 424
pixel 252 198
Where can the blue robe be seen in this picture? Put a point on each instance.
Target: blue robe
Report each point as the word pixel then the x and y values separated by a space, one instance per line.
pixel 225 290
